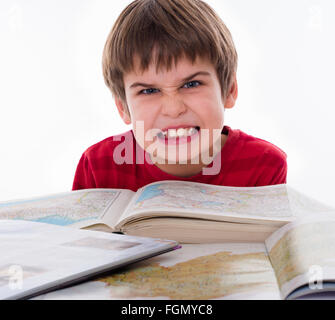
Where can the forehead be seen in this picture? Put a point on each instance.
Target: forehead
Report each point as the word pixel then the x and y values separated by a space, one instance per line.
pixel 178 70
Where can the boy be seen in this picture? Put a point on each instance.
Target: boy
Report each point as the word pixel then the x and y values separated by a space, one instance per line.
pixel 171 66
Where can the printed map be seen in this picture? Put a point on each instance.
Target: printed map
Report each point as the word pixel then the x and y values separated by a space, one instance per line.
pixel 205 271
pixel 208 277
pixel 272 202
pixel 302 247
pixel 60 209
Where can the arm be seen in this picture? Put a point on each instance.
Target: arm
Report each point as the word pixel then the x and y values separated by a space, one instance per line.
pixel 83 178
pixel 274 171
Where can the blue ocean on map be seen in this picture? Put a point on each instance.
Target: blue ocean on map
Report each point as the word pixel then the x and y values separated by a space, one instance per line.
pixel 57 220
pixel 150 192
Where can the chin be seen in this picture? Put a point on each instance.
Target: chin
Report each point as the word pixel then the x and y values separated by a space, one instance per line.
pixel 180 157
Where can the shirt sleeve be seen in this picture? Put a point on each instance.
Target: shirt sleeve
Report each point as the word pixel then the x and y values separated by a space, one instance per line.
pixel 83 178
pixel 275 171
pixel 280 175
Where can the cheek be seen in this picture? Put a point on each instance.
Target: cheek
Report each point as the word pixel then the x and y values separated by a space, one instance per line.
pixel 146 115
pixel 209 108
pixel 143 118
pixel 137 111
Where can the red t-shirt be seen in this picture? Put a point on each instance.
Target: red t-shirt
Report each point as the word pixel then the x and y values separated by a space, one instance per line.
pixel 245 161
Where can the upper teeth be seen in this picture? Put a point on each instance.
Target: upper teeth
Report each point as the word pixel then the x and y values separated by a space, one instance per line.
pixel 180 132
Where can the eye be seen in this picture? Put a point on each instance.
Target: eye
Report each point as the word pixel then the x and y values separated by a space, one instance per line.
pixel 148 91
pixel 192 84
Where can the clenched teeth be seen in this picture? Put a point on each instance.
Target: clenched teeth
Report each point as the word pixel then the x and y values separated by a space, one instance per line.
pixel 180 132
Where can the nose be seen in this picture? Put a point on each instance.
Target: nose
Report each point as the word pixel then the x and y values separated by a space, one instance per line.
pixel 172 106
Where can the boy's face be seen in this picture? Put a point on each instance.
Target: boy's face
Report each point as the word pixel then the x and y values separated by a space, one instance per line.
pixel 177 115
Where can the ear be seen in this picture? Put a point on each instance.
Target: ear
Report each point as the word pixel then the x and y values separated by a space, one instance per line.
pixel 232 95
pixel 123 110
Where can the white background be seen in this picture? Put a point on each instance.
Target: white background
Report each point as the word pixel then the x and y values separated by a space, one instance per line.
pixel 54 103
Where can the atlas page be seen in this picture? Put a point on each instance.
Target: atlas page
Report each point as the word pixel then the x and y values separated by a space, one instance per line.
pixel 38 256
pixel 196 271
pixel 77 209
pixel 303 257
pixel 255 204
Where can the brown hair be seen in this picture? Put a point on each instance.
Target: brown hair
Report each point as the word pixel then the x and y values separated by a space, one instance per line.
pixel 168 29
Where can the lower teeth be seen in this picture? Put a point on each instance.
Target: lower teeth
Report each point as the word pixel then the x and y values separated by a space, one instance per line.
pixel 190 132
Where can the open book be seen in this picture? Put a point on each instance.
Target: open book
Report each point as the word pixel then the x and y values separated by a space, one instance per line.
pixel 303 257
pixel 187 212
pixel 37 257
pixel 296 261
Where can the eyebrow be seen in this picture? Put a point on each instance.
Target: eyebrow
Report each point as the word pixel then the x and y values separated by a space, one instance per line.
pixel 147 85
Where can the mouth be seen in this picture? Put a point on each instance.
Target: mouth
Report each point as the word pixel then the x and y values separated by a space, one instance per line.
pixel 180 133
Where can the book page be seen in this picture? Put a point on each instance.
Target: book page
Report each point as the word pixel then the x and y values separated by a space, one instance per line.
pixel 202 271
pixel 212 202
pixel 302 253
pixel 75 208
pixel 113 212
pixel 37 256
pixel 305 206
